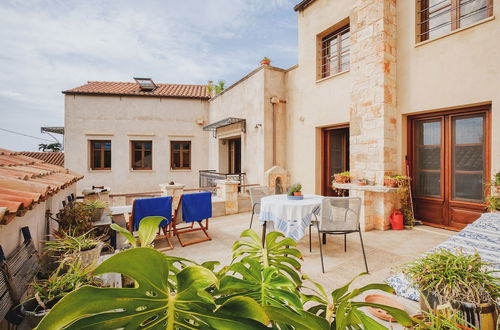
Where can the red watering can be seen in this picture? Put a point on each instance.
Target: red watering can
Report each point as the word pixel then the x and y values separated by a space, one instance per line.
pixel 397 220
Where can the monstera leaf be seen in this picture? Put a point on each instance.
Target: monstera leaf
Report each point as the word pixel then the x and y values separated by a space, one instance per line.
pixel 265 285
pixel 343 313
pixel 147 231
pixel 152 304
pixel 276 253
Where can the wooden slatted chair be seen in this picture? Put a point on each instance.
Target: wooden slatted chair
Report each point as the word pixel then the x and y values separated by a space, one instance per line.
pixel 6 301
pixel 193 208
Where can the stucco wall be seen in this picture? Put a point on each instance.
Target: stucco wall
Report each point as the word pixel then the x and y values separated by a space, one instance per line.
pixel 124 119
pixel 11 236
pixel 312 103
pixel 249 99
pixel 457 70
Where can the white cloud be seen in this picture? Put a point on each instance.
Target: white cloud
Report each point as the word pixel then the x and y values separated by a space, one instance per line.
pixel 49 46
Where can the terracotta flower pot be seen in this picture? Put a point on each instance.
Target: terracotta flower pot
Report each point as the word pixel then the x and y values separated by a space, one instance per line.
pixel 265 62
pixel 297 193
pixel 341 178
pixel 391 182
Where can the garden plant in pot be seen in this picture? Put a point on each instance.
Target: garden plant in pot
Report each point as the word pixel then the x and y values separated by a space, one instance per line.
pixel 343 177
pixel 68 276
pixel 295 192
pixel 461 280
pixel 96 207
pixel 394 181
pixel 86 248
pixel 74 218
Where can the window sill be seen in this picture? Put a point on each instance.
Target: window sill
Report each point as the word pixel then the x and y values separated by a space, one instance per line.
pixel 140 171
pixel 180 170
pixel 98 171
pixel 488 19
pixel 332 76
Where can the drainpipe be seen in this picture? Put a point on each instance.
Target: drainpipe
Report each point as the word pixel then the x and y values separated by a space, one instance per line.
pixel 274 100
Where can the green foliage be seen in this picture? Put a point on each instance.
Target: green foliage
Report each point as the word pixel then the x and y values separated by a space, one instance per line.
pixel 493 203
pixel 346 173
pixel 152 303
pixel 262 287
pixel 455 276
pixel 278 252
pixel 443 318
pixel 496 179
pixel 74 218
pixel 405 201
pixel 95 204
pixel 66 244
pixel 294 188
pixel 69 276
pixel 342 312
pixel 217 88
pixel 148 227
pixel 55 147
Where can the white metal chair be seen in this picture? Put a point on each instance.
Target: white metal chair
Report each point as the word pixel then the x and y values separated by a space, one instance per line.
pixel 256 194
pixel 340 216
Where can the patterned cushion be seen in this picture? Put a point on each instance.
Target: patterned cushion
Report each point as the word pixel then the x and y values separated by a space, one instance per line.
pixel 403 287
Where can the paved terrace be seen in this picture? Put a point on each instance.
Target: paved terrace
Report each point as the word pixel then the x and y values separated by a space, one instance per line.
pixel 386 251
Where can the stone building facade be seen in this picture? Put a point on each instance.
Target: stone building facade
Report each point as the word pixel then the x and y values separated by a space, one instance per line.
pixel 377 82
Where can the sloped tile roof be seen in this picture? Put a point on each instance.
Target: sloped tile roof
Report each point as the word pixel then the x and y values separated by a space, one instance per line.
pixel 54 158
pixel 133 89
pixel 26 181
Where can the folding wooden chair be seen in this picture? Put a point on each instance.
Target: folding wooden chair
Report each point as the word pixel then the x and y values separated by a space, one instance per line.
pixel 153 210
pixel 193 208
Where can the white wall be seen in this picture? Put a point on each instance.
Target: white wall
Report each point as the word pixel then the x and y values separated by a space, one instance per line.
pixel 10 234
pixel 123 119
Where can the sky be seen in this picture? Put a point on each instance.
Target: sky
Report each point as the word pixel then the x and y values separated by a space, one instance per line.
pixel 48 46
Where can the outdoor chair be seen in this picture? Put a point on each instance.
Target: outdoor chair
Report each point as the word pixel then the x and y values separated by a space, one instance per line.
pixel 256 194
pixel 340 216
pixel 193 208
pixel 150 207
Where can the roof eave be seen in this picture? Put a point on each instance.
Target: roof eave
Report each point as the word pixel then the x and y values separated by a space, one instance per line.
pixel 137 95
pixel 302 5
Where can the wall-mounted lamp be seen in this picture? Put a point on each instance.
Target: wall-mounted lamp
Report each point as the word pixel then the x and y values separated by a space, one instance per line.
pixel 258 125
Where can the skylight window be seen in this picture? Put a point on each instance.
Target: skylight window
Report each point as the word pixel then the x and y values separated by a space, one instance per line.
pixel 146 84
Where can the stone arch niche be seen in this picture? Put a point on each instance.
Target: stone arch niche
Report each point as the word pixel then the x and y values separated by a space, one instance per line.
pixel 276 179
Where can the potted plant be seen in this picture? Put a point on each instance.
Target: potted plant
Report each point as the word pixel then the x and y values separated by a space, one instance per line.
pixel 461 280
pixel 295 191
pixel 265 61
pixel 85 247
pixel 96 207
pixel 69 276
pixel 443 318
pixel 75 218
pixel 495 183
pixel 343 177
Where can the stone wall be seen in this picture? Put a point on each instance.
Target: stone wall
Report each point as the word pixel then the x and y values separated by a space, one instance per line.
pixel 373 112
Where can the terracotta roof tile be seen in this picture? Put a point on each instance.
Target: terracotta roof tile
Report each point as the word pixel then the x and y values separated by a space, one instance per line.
pixel 54 158
pixel 26 181
pixel 133 89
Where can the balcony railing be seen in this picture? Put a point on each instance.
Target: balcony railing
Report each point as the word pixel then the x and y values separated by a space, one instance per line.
pixel 208 178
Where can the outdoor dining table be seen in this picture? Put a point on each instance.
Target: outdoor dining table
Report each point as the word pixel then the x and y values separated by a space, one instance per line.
pixel 289 216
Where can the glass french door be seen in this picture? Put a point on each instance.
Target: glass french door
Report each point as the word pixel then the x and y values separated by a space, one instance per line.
pixel 449 159
pixel 335 156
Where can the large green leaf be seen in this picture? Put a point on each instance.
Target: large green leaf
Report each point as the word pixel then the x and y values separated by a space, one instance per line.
pixel 152 304
pixel 278 252
pixel 128 235
pixel 148 227
pixel 300 320
pixel 265 285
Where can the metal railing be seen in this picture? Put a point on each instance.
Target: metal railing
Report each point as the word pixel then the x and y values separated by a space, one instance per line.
pixel 208 178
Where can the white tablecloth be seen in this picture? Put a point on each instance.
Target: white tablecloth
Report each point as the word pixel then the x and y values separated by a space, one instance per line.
pixel 291 217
